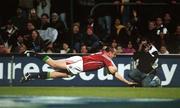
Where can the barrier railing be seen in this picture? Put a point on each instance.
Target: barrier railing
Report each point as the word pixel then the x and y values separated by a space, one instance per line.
pixel 130 4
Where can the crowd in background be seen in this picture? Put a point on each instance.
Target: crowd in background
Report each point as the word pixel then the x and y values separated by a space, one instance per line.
pixel 45 26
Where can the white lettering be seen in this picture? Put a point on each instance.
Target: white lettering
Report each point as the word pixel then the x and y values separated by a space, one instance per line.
pixel 122 68
pixel 168 73
pixel 1 70
pixel 101 75
pixel 31 67
pixel 70 78
pixel 12 72
pixel 47 68
pixel 86 77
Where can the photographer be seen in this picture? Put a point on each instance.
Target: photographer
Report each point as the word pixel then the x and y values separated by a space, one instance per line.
pixel 144 65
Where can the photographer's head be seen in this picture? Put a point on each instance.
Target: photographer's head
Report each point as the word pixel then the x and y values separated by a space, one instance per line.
pixel 145 45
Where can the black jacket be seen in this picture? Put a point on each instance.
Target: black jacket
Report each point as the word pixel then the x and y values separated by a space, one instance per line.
pixel 146 60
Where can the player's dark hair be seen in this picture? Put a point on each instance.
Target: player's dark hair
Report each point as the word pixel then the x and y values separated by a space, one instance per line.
pixel 108 49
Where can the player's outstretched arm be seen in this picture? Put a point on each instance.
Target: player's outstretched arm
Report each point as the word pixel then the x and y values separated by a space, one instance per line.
pixel 119 77
pixel 113 70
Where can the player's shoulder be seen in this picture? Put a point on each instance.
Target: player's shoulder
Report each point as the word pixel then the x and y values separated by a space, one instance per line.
pixel 98 53
pixel 97 56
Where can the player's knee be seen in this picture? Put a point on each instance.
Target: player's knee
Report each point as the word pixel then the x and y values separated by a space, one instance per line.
pixel 58 65
pixel 55 65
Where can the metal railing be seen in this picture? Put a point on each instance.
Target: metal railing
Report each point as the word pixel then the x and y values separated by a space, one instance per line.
pixel 129 4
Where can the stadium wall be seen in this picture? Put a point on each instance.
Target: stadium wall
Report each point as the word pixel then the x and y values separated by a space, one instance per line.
pixel 12 67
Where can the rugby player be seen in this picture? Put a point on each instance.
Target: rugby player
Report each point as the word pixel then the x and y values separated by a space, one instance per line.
pixel 76 64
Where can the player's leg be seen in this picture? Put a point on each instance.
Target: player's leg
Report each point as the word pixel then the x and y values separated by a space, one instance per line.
pixel 63 63
pixel 57 64
pixel 44 75
pixel 58 74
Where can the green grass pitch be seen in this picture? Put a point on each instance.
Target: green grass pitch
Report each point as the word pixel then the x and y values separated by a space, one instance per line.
pixel 106 92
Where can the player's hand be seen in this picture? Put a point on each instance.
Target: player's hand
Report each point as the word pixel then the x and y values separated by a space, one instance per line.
pixel 132 83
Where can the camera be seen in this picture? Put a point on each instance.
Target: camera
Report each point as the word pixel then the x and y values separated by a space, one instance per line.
pixel 162 29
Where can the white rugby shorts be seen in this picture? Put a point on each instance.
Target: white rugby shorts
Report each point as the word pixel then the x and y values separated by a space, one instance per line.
pixel 76 66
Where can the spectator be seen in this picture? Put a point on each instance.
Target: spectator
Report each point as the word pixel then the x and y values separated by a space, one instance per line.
pixel 133 33
pixel 26 5
pixel 47 33
pixel 62 8
pixel 160 27
pixel 129 49
pixel 34 18
pixel 9 32
pixel 91 40
pixel 56 23
pixel 84 49
pixel 20 45
pixel 66 49
pixel 151 32
pixel 18 20
pixel 168 22
pixel 59 26
pixel 122 11
pixel 28 30
pixel 116 47
pixel 35 42
pixel 77 37
pixel 174 42
pixel 21 49
pixel 104 18
pixel 163 50
pixel 114 44
pixel 162 39
pixel 82 10
pixel 119 33
pixel 49 48
pixel 44 22
pixel 3 49
pixel 119 50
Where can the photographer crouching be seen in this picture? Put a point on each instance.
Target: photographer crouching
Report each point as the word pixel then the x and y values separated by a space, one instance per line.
pixel 144 65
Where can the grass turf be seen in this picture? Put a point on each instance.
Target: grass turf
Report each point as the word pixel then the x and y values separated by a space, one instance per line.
pixel 107 92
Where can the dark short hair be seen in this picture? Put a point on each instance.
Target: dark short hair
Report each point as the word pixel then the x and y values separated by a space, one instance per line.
pixel 45 14
pixel 9 22
pixel 109 49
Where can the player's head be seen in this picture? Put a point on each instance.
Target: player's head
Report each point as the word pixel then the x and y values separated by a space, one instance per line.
pixel 110 52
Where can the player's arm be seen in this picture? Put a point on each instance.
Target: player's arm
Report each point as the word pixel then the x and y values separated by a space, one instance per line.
pixel 113 71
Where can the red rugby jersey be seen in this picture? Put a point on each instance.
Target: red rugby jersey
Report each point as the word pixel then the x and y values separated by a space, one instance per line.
pixel 96 61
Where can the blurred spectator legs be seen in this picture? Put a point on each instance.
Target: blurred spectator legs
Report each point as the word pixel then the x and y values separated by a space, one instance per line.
pixel 105 24
pixel 62 17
